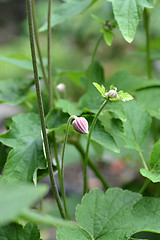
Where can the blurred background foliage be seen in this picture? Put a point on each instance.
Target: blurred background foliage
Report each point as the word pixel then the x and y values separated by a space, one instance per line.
pixel 74 40
pixel 73 43
pixel 72 48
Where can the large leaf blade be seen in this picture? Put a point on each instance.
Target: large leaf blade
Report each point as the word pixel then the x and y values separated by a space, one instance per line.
pixel 128 14
pixel 67 10
pixel 15 197
pixel 117 214
pixel 149 99
pixel 136 126
pixel 14 91
pixel 27 155
pixel 15 231
pixel 102 137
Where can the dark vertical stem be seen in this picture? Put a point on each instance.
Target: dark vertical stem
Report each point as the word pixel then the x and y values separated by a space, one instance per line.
pixel 49 56
pixel 148 48
pixel 37 43
pixel 40 104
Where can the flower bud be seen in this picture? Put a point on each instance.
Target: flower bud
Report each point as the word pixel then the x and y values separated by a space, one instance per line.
pixel 112 94
pixel 80 124
pixel 61 87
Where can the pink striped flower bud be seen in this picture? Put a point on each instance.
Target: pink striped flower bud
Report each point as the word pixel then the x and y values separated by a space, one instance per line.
pixel 80 124
pixel 112 94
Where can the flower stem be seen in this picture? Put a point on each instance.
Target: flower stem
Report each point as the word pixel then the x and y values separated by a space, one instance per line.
pixel 40 104
pixel 62 167
pixel 143 161
pixel 88 143
pixel 145 185
pixel 92 62
pixel 91 165
pixel 49 56
pixel 60 175
pixel 148 48
pixel 56 153
pixel 37 44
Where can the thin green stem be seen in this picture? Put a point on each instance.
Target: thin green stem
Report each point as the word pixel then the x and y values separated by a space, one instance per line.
pixel 60 176
pixel 148 47
pixel 88 144
pixel 145 185
pixel 92 62
pixel 49 56
pixel 56 154
pixel 37 44
pixel 91 165
pixel 41 109
pixel 143 161
pixel 62 166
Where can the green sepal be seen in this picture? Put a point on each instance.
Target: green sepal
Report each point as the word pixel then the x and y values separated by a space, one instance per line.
pixel 100 88
pixel 122 96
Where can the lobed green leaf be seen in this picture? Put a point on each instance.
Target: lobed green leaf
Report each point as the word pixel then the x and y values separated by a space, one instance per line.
pixel 117 214
pixel 100 88
pixel 15 231
pixel 14 91
pixel 24 136
pixel 128 14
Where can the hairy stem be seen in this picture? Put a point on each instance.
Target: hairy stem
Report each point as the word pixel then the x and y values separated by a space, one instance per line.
pixel 49 56
pixel 143 161
pixel 92 62
pixel 41 109
pixel 37 44
pixel 88 144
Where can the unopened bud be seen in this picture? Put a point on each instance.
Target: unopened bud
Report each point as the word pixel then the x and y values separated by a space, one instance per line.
pixel 61 87
pixel 112 94
pixel 80 124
